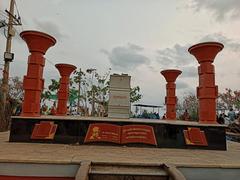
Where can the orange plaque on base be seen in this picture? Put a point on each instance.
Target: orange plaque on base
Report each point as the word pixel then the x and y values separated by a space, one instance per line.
pixel 194 136
pixel 44 130
pixel 138 134
pixel 104 132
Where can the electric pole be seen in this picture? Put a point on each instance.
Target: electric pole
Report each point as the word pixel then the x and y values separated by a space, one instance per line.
pixel 8 56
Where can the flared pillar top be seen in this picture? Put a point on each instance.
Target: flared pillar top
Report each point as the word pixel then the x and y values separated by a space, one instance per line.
pixel 38 41
pixel 171 74
pixel 65 69
pixel 205 52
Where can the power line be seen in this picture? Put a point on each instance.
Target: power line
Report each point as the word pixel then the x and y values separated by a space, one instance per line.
pixel 18 14
pixel 50 62
pixel 17 8
pixel 4 14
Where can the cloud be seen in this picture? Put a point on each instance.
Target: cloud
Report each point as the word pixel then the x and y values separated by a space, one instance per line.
pixel 126 58
pixel 135 47
pixel 179 57
pixel 227 42
pixel 189 72
pixel 174 57
pixel 50 28
pixel 182 85
pixel 153 68
pixel 221 9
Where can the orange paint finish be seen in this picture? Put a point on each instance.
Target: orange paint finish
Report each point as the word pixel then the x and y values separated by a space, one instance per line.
pixel 33 83
pixel 44 130
pixel 207 91
pixel 65 71
pixel 105 132
pixel 171 100
pixel 194 136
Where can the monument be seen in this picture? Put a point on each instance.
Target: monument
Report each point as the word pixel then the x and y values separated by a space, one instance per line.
pixel 171 100
pixel 33 83
pixel 119 96
pixel 207 91
pixel 65 71
pixel 118 128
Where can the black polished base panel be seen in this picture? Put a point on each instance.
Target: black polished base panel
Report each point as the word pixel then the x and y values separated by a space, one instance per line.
pixel 168 134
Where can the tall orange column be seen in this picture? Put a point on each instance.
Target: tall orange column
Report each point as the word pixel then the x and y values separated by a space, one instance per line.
pixel 65 71
pixel 171 100
pixel 207 91
pixel 38 43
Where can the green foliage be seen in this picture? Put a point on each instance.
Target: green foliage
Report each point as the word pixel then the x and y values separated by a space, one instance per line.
pixel 189 103
pixel 14 100
pixel 54 86
pixel 229 99
pixel 16 88
pixel 135 95
pixel 87 88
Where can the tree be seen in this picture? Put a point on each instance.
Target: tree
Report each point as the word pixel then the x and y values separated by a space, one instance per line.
pixel 90 88
pixel 14 101
pixel 229 99
pixel 79 79
pixel 135 94
pixel 51 91
pixel 16 88
pixel 189 103
pixel 99 89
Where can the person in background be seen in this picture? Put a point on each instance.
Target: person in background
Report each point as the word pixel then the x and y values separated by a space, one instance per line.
pixel 221 118
pixel 186 116
pixel 44 109
pixel 164 116
pixel 101 110
pixel 231 115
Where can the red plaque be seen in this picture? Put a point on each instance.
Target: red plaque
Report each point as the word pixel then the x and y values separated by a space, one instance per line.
pixel 138 134
pixel 104 132
pixel 44 130
pixel 194 136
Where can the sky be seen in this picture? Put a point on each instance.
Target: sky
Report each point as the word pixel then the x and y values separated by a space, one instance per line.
pixel 137 37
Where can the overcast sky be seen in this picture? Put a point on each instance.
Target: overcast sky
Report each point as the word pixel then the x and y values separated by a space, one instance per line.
pixel 138 37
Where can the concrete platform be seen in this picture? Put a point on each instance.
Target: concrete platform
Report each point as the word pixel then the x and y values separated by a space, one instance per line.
pixel 117 131
pixel 69 154
pixel 134 120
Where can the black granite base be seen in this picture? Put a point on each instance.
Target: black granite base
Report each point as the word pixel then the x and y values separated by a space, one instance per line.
pixel 73 131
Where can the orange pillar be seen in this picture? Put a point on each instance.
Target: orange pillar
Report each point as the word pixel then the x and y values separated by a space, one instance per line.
pixel 65 71
pixel 38 43
pixel 171 100
pixel 207 91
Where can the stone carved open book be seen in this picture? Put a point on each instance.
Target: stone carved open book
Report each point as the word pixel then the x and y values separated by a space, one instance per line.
pixel 106 132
